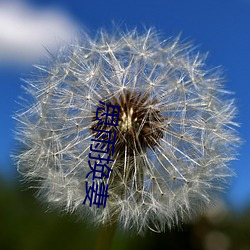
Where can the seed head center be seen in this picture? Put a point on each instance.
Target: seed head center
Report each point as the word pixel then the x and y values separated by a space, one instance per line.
pixel 127 122
pixel 140 123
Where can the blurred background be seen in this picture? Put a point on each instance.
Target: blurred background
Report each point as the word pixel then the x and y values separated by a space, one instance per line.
pixel 29 28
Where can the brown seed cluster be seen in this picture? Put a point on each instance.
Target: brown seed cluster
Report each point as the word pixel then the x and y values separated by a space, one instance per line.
pixel 139 126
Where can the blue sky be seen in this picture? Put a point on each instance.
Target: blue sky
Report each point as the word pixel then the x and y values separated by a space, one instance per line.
pixel 221 27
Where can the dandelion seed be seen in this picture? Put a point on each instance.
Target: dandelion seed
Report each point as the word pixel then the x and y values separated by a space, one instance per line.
pixel 174 139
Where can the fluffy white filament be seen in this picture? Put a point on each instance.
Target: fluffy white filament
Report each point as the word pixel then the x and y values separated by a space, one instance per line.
pixel 183 168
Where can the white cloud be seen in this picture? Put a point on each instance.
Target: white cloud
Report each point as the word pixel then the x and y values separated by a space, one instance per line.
pixel 25 31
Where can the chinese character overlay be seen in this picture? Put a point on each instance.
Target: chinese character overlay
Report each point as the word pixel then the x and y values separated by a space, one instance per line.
pixel 99 169
pixel 104 142
pixel 111 114
pixel 99 195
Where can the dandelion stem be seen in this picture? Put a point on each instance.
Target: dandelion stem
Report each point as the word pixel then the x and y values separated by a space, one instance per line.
pixel 105 236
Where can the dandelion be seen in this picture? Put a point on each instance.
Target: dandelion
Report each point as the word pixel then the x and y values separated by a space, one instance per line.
pixel 174 140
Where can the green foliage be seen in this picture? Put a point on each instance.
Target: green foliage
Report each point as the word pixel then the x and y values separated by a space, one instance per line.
pixel 25 226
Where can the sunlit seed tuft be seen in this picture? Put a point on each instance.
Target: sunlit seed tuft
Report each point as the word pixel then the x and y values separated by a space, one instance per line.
pixel 174 140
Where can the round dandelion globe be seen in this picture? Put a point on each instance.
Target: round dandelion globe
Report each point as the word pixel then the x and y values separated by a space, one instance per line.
pixel 130 128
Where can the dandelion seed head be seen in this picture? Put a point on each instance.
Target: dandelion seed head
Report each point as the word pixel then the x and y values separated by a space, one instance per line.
pixel 175 136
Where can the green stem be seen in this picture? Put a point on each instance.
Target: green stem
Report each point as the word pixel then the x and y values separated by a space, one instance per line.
pixel 105 236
